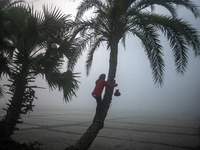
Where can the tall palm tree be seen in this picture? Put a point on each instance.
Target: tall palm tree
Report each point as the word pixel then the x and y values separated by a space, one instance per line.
pixel 113 20
pixel 35 44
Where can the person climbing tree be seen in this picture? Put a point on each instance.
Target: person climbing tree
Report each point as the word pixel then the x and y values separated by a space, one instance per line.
pixel 100 84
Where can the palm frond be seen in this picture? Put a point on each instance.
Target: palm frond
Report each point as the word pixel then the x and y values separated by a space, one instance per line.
pixel 2 91
pixel 34 62
pixel 123 40
pixel 72 49
pixel 171 9
pixel 4 67
pixel 154 52
pixel 86 5
pixel 178 33
pixel 191 36
pixel 54 23
pixel 4 4
pixel 80 27
pixel 168 4
pixel 190 6
pixel 76 50
pixel 50 63
pixel 93 48
pixel 65 82
pixel 147 33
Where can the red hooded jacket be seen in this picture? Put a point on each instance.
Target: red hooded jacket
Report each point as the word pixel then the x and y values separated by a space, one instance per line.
pixel 99 87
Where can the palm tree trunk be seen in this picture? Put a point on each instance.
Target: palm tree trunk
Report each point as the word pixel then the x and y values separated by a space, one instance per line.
pixel 8 123
pixel 88 137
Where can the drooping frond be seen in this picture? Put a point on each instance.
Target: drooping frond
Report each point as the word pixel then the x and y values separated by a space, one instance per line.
pixel 80 27
pixel 86 5
pixel 180 34
pixel 72 49
pixel 171 9
pixel 89 32
pixel 94 46
pixel 169 5
pixel 151 43
pixel 149 37
pixel 65 82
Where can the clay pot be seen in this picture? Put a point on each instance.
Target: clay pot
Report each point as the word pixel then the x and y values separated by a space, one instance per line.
pixel 117 93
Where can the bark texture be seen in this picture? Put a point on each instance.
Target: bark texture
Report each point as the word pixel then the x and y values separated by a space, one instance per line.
pixel 8 123
pixel 20 103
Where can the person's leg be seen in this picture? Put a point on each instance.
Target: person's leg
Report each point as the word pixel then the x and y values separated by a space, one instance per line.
pixel 98 99
pixel 98 103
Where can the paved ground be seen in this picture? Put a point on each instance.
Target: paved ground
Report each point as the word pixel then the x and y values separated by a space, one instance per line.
pixel 122 131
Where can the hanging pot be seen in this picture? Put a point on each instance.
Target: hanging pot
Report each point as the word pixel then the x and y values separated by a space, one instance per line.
pixel 117 93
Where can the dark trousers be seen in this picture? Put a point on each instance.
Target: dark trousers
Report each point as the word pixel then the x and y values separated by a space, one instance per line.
pixel 98 99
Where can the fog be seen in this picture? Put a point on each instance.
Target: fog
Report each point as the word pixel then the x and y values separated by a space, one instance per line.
pixel 179 94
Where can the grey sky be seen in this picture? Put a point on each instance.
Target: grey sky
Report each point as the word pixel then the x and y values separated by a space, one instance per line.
pixel 179 94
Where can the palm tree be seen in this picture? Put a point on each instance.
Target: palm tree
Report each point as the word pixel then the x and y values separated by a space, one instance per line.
pixel 35 44
pixel 113 20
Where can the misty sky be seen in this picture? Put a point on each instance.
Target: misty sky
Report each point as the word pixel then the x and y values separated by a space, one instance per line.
pixel 179 94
